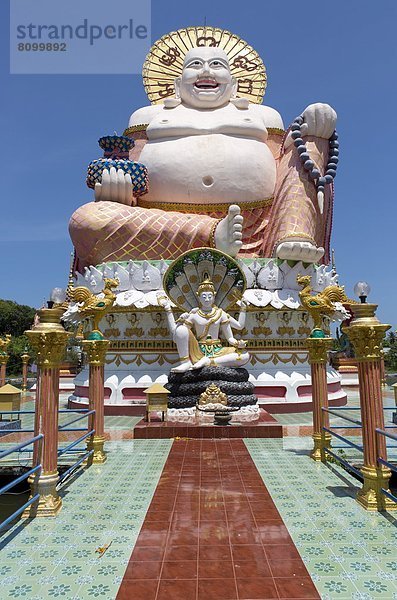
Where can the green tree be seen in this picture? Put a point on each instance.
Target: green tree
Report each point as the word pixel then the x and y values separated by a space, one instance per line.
pixel 391 354
pixel 15 319
pixel 16 348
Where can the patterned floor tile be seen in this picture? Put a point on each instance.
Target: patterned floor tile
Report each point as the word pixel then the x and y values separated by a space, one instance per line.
pixel 65 563
pixel 348 552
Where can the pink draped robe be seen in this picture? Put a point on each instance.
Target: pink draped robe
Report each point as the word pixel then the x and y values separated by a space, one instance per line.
pixel 108 231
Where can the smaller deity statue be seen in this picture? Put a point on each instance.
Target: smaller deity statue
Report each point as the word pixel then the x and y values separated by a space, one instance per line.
pixel 196 333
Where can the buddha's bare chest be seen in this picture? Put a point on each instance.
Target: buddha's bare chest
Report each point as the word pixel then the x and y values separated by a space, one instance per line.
pixel 176 123
pixel 204 327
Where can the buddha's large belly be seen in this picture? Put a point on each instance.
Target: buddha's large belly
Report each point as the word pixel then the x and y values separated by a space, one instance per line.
pixel 209 169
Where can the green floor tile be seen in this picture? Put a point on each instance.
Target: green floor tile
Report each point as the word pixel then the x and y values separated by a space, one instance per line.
pixel 376 587
pixel 324 566
pixel 332 587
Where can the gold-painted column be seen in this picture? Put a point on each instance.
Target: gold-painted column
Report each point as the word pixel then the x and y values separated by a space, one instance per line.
pixel 25 362
pixel 4 343
pixel 49 340
pixel 366 334
pixel 3 367
pixel 383 369
pixel 96 353
pixel 318 358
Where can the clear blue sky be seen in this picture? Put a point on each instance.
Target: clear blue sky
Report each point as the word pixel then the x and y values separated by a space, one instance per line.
pixel 343 53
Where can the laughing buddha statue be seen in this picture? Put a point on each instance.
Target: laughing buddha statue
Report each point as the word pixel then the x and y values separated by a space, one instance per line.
pixel 222 171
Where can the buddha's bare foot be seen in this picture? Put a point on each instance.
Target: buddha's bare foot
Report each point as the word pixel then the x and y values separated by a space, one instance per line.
pixel 203 362
pixel 182 368
pixel 229 232
pixel 299 250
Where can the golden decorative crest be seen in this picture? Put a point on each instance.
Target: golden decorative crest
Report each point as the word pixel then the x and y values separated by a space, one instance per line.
pixel 164 62
pixel 213 395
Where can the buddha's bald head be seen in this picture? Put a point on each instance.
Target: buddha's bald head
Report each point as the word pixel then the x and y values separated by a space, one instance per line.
pixel 206 80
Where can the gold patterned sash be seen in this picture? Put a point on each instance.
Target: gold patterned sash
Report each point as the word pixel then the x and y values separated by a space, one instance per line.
pixel 202 209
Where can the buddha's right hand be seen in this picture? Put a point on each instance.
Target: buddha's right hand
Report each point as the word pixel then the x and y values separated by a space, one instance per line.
pixel 116 186
pixel 229 231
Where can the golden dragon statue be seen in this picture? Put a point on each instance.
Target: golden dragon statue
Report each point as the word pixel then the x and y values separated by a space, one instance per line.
pixel 92 306
pixel 325 303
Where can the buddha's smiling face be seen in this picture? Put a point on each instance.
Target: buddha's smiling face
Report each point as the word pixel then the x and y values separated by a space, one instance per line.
pixel 206 81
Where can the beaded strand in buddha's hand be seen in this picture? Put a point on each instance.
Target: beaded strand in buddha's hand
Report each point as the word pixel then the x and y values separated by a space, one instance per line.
pixel 333 158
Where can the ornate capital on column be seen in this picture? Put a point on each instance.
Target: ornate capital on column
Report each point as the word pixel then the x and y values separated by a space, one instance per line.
pixel 49 346
pixel 48 338
pixel 96 351
pixel 318 349
pixel 365 332
pixel 367 341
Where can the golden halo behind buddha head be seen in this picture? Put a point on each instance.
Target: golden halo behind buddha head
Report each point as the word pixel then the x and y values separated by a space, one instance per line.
pixel 164 62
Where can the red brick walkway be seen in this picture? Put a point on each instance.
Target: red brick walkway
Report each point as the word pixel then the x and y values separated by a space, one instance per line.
pixel 212 532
